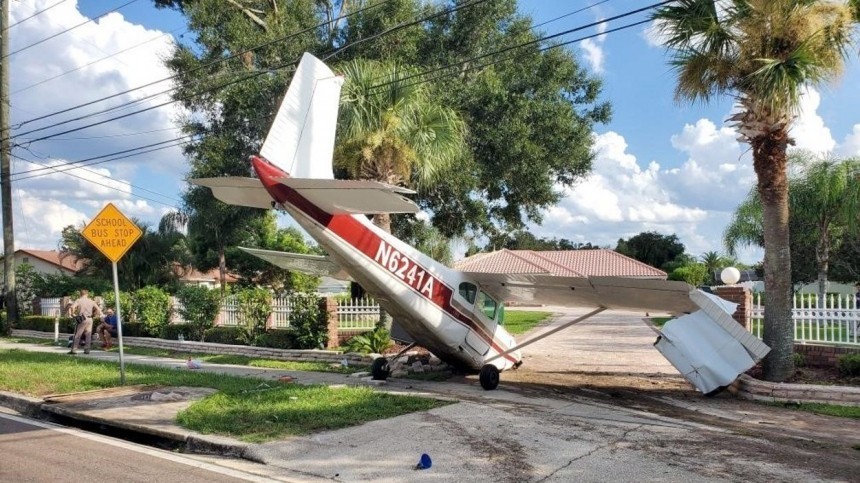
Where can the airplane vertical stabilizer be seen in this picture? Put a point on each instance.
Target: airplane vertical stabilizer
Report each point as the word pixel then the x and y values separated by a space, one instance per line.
pixel 301 140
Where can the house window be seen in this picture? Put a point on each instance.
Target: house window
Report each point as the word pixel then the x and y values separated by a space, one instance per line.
pixel 26 259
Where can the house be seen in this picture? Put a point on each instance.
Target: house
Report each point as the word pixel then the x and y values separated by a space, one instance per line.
pixel 47 262
pixel 208 279
pixel 565 263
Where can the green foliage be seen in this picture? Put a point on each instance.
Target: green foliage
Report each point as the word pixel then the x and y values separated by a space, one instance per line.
pixel 61 285
pixel 5 326
pixel 126 305
pixel 173 331
pixel 199 308
pixel 152 309
pixel 255 306
pixel 308 321
pixel 44 323
pixel 849 365
pixel 652 248
pixel 225 335
pixel 694 274
pixel 278 339
pixel 521 321
pixel 27 280
pixel 373 341
pixel 799 360
pixel 133 329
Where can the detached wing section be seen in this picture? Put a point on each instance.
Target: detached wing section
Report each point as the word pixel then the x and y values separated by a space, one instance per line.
pixel 235 190
pixel 609 292
pixel 302 263
pixel 353 197
pixel 707 346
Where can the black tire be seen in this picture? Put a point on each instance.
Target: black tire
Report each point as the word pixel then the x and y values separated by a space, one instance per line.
pixel 379 369
pixel 489 377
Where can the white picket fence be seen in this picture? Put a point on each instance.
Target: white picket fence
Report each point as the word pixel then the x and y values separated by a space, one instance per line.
pixel 836 320
pixel 354 314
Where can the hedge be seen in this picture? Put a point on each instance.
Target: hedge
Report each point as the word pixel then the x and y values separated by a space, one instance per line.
pixel 223 335
pixel 278 339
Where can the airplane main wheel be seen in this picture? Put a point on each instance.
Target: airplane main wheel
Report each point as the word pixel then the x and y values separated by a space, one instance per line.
pixel 379 369
pixel 489 377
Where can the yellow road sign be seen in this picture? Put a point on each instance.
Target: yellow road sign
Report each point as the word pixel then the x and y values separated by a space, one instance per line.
pixel 112 233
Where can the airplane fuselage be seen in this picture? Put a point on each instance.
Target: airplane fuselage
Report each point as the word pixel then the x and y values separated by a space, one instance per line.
pixel 429 300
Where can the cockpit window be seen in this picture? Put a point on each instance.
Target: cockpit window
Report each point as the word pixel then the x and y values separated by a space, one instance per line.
pixel 487 305
pixel 468 291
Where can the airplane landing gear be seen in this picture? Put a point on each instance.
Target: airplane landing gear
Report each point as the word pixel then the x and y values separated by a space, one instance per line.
pixel 379 369
pixel 489 377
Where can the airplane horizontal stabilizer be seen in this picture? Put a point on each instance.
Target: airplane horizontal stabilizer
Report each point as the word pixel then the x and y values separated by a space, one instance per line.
pixel 317 265
pixel 353 197
pixel 235 190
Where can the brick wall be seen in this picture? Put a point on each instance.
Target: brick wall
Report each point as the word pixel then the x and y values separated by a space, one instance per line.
pixel 823 355
pixel 741 296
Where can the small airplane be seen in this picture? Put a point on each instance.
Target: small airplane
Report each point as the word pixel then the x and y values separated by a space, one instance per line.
pixel 458 316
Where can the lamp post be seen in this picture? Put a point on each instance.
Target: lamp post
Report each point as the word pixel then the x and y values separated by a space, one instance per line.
pixel 730 275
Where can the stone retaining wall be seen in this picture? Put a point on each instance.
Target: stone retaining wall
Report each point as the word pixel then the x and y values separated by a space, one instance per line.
pixel 220 349
pixel 756 390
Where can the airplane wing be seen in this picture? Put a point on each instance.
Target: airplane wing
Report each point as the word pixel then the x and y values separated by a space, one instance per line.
pixel 339 196
pixel 335 196
pixel 298 262
pixel 235 190
pixel 608 292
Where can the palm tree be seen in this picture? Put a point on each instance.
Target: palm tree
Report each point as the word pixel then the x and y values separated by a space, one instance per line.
pixel 713 261
pixel 392 130
pixel 764 53
pixel 824 201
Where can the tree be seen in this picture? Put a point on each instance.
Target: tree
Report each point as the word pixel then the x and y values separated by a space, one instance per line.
pixel 764 53
pixel 713 262
pixel 397 133
pixel 824 202
pixel 652 248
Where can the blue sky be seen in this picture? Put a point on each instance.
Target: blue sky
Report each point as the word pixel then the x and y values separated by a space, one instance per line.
pixel 660 165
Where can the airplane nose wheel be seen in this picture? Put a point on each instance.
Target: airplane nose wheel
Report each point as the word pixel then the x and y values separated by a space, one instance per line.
pixel 489 377
pixel 379 369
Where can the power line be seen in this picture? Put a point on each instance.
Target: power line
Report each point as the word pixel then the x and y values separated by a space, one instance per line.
pixel 35 14
pixel 70 28
pixel 214 62
pixel 97 61
pixel 568 14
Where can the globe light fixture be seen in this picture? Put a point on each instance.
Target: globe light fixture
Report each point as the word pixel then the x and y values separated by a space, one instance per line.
pixel 730 275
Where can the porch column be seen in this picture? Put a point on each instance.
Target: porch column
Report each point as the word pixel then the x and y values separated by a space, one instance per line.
pixel 741 296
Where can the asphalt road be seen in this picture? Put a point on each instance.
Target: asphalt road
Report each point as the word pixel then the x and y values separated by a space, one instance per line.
pixel 34 451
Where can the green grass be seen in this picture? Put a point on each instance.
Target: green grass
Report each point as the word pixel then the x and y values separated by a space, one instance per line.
pixel 521 321
pixel 660 321
pixel 240 409
pixel 851 412
pixel 218 359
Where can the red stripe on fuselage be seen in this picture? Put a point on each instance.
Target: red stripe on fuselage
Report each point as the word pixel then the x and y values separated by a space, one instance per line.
pixel 359 236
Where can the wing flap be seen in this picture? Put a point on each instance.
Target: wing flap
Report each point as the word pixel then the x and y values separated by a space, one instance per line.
pixel 298 262
pixel 353 197
pixel 235 190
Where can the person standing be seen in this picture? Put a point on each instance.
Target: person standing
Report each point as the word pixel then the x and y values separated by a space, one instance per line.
pixel 107 328
pixel 88 308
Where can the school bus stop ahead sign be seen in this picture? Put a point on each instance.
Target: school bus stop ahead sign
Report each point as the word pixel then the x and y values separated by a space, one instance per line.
pixel 112 233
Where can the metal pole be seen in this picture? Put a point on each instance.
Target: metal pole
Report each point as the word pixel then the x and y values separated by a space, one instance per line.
pixel 118 325
pixel 5 171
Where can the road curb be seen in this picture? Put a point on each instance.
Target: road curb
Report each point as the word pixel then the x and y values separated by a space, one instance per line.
pixel 27 405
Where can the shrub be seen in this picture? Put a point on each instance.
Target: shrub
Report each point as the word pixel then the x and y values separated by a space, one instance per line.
pixel 308 322
pixel 694 274
pixel 199 308
pixel 224 335
pixel 373 341
pixel 134 329
pixel 849 365
pixel 255 305
pixel 173 331
pixel 5 327
pixel 45 323
pixel 27 279
pixel 278 339
pixel 799 360
pixel 152 309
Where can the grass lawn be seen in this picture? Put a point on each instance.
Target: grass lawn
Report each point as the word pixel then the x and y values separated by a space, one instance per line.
pixel 218 359
pixel 521 321
pixel 660 321
pixel 851 412
pixel 244 408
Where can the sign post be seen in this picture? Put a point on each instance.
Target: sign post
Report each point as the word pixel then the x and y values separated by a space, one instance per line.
pixel 113 234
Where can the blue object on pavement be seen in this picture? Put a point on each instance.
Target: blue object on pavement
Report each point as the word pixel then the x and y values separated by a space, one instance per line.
pixel 424 463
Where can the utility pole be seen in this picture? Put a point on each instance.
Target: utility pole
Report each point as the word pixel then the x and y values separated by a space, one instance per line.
pixel 5 171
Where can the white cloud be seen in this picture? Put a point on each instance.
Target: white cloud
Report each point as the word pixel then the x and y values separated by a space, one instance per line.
pixel 851 145
pixel 78 53
pixel 593 49
pixel 653 36
pixel 809 131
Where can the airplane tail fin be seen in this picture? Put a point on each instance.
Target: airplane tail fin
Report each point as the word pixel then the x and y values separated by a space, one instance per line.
pixel 301 139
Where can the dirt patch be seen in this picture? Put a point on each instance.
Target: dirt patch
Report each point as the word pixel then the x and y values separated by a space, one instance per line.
pixel 827 376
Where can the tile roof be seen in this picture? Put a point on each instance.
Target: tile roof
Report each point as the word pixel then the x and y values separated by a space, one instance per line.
pixel 568 263
pixel 53 256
